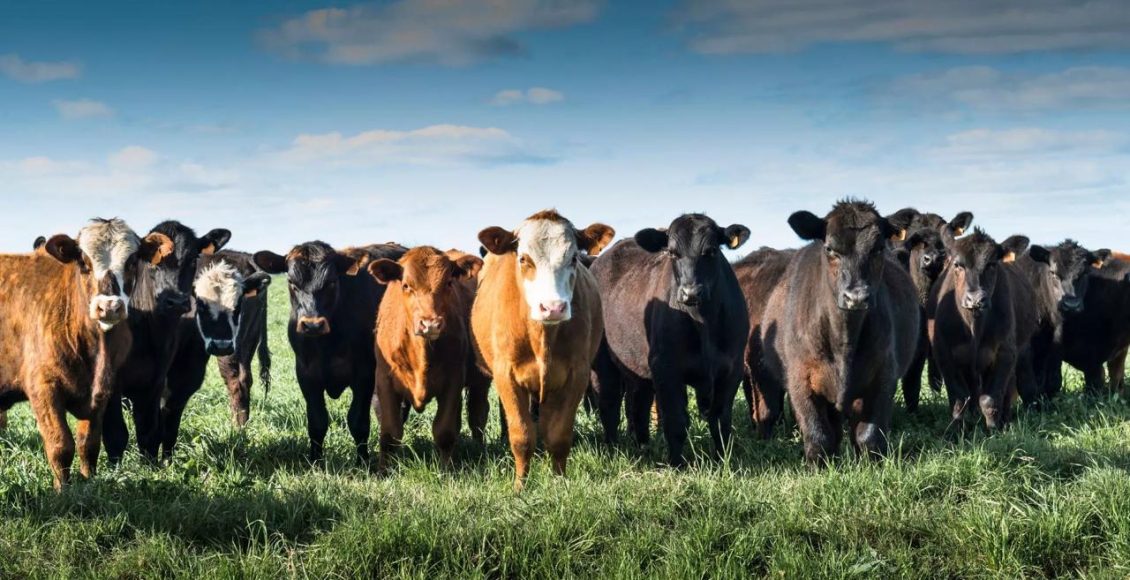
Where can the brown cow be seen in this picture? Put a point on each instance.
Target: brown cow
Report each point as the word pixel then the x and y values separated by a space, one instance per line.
pixel 537 324
pixel 424 345
pixel 62 339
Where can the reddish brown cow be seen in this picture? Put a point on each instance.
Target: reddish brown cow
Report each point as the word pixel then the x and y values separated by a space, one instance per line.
pixel 537 324
pixel 63 339
pixel 424 346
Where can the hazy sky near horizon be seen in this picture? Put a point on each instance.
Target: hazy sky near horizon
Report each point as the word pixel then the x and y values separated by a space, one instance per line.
pixel 424 121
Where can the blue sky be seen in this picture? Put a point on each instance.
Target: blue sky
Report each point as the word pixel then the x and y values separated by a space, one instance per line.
pixel 424 121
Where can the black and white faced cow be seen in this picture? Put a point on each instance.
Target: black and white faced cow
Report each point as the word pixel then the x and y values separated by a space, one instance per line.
pixel 229 322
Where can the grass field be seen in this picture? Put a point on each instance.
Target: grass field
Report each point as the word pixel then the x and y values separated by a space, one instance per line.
pixel 1050 497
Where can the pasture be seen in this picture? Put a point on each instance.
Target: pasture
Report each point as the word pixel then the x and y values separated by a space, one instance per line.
pixel 1049 497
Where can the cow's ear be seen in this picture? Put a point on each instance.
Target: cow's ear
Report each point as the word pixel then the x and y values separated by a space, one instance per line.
pixel 1014 247
pixel 64 248
pixel 256 284
pixel 467 266
pixel 38 243
pixel 960 223
pixel 1099 258
pixel 270 262
pixel 652 240
pixel 352 262
pixel 595 238
pixel 900 222
pixel 1040 254
pixel 386 271
pixel 214 241
pixel 155 247
pixel 736 235
pixel 807 225
pixel 498 241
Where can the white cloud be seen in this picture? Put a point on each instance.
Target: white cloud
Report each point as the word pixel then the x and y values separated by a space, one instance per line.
pixel 133 157
pixel 952 26
pixel 984 87
pixel 18 69
pixel 433 145
pixel 82 109
pixel 1029 142
pixel 449 32
pixel 533 96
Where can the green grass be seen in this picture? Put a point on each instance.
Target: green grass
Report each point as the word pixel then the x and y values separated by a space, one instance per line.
pixel 1050 497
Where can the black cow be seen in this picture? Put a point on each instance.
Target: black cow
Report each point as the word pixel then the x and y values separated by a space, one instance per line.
pixel 332 321
pixel 840 329
pixel 984 318
pixel 157 302
pixel 674 316
pixel 758 274
pixel 229 322
pixel 1060 276
pixel 1100 333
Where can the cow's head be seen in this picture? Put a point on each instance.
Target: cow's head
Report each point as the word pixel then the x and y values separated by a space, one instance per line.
pixel 909 221
pixel 169 282
pixel 548 250
pixel 314 271
pixel 1068 267
pixel 219 290
pixel 106 251
pixel 423 282
pixel 854 238
pixel 976 260
pixel 927 254
pixel 694 243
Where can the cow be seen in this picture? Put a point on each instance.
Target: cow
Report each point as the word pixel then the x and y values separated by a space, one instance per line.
pixel 758 274
pixel 1099 334
pixel 65 334
pixel 674 315
pixel 920 249
pixel 423 346
pixel 984 318
pixel 536 324
pixel 332 315
pixel 1060 277
pixel 840 329
pixel 229 323
pixel 160 298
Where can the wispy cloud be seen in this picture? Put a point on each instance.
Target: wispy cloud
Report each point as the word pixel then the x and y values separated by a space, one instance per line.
pixel 532 96
pixel 447 32
pixel 1029 142
pixel 18 69
pixel 433 145
pixel 953 26
pixel 983 87
pixel 82 109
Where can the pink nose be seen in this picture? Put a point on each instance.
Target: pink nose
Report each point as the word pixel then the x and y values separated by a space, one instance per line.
pixel 109 308
pixel 555 308
pixel 429 325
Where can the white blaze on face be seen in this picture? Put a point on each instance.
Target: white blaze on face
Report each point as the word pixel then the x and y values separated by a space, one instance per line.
pixel 218 290
pixel 551 246
pixel 109 244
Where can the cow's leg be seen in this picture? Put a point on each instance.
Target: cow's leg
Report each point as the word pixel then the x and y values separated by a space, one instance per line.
pixel 912 381
pixel 671 395
pixel 58 443
pixel 391 420
pixel 237 379
pixel 610 385
pixel 359 418
pixel 317 420
pixel 934 373
pixel 720 417
pixel 478 405
pixel 1116 368
pixel 3 419
pixel 147 422
pixel 519 426
pixel 870 427
pixel 769 394
pixel 184 380
pixel 115 433
pixel 1094 379
pixel 642 397
pixel 558 416
pixel 89 438
pixel 812 411
pixel 446 425
pixel 1026 384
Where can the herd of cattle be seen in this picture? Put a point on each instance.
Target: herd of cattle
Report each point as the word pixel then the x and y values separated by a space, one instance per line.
pixel 109 315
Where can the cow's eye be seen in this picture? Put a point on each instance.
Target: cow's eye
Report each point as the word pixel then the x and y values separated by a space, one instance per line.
pixel 959 266
pixel 831 252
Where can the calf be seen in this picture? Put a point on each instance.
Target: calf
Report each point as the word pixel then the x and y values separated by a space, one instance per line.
pixel 1099 334
pixel 674 316
pixel 65 335
pixel 1060 277
pixel 424 345
pixel 840 329
pixel 332 316
pixel 536 324
pixel 158 301
pixel 758 274
pixel 228 322
pixel 984 319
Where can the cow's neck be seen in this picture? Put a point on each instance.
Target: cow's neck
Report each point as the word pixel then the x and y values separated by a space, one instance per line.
pixel 844 330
